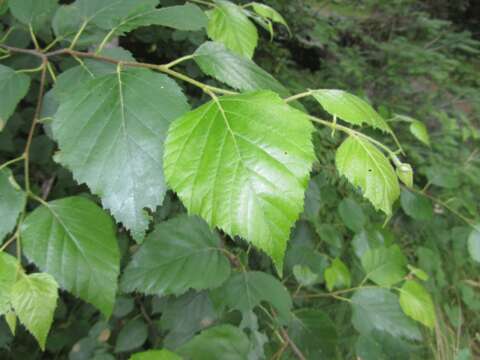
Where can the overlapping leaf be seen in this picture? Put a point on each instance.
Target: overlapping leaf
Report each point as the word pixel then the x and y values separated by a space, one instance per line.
pixel 111 132
pixel 8 274
pixel 378 309
pixel 350 108
pixel 244 291
pixel 242 163
pixel 219 342
pixel 417 303
pixel 229 25
pixel 12 201
pixel 34 299
pixel 237 71
pixel 179 254
pixel 365 166
pixel 13 87
pixel 385 266
pixel 74 240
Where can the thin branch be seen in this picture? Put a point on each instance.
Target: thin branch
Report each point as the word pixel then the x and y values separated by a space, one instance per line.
pixel 36 116
pixel 10 162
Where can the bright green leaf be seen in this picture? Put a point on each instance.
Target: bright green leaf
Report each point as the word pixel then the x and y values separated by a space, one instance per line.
pixel 34 299
pixel 131 336
pixel 417 303
pixel 350 108
pixel 474 244
pixel 246 290
pixel 13 87
pixel 74 240
pixel 385 266
pixel 219 342
pixel 12 201
pixel 155 355
pixel 416 206
pixel 235 70
pixel 179 254
pixel 405 174
pixel 11 320
pixel 337 275
pixel 8 274
pixel 419 130
pixel 376 308
pixel 229 25
pixel 365 166
pixel 110 133
pixel 231 162
pixel 419 273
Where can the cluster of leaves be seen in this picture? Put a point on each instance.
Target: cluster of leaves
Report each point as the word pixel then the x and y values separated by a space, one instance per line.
pixel 159 227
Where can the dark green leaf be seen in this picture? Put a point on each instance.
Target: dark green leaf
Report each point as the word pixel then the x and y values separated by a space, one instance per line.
pixel 132 336
pixel 352 215
pixel 13 87
pixel 12 201
pixel 416 206
pixel 376 308
pixel 110 133
pixel 220 342
pixel 74 240
pixel 474 244
pixel 234 70
pixel 246 290
pixel 179 254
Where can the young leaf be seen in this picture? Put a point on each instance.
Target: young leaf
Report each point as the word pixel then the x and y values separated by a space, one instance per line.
pixel 219 342
pixel 269 13
pixel 34 299
pixel 179 254
pixel 155 355
pixel 216 60
pixel 419 130
pixel 8 274
pixel 244 291
pixel 33 12
pixel 350 108
pixel 230 162
pixel 417 303
pixel 12 201
pixel 229 25
pixel 74 240
pixel 337 275
pixel 385 266
pixel 365 166
pixel 314 332
pixel 13 87
pixel 474 244
pixel 405 174
pixel 376 308
pixel 419 273
pixel 110 133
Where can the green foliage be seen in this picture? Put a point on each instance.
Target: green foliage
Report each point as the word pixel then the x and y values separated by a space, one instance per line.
pixel 183 220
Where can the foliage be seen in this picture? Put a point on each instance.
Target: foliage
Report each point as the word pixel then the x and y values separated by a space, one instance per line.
pixel 206 180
